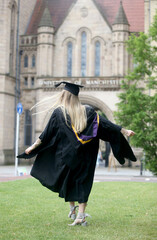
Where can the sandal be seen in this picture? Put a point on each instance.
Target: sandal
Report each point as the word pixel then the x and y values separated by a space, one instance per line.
pixel 80 220
pixel 71 214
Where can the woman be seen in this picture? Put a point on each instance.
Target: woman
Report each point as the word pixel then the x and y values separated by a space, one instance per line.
pixel 67 150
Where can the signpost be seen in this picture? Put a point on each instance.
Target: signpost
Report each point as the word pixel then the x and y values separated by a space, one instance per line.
pixel 19 112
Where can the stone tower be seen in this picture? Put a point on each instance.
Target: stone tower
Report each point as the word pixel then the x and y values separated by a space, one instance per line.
pixel 45 45
pixel 120 35
pixel 8 30
pixel 8 20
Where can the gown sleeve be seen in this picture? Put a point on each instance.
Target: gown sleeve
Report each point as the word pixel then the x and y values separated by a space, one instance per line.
pixel 111 133
pixel 104 123
pixel 47 138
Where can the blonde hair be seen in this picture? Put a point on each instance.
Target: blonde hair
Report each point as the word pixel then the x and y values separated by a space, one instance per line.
pixel 69 104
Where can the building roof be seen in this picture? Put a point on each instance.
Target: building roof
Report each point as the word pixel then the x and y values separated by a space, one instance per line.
pixel 46 19
pixel 59 9
pixel 121 17
pixel 134 10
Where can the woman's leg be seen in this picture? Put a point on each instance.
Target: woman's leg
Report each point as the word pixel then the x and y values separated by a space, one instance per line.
pixel 82 207
pixel 72 205
pixel 81 215
pixel 72 213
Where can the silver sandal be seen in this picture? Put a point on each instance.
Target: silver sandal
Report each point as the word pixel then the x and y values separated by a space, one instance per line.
pixel 80 216
pixel 71 214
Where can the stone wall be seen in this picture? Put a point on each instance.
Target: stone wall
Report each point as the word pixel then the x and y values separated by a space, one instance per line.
pixel 8 28
pixel 150 10
pixel 7 100
pixel 5 33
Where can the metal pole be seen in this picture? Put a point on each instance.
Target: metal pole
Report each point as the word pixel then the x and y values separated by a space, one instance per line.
pixel 17 143
pixel 17 71
pixel 141 167
pixel 17 51
pixel 17 91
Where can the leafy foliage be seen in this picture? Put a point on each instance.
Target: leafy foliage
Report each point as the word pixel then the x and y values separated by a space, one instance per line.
pixel 137 108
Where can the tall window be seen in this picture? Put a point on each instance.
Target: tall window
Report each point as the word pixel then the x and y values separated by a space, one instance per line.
pixel 28 128
pixel 97 58
pixel 83 53
pixel 69 59
pixel 33 61
pixel 32 81
pixel 12 38
pixel 26 61
pixel 26 81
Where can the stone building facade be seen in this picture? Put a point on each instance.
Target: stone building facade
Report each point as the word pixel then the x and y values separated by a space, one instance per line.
pixel 81 41
pixel 8 30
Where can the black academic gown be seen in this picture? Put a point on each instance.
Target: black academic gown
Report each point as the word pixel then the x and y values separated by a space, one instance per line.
pixel 65 161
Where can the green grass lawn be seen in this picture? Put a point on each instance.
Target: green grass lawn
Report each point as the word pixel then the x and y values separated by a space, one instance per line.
pixel 119 210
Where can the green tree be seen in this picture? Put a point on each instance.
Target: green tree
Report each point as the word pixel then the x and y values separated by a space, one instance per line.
pixel 137 109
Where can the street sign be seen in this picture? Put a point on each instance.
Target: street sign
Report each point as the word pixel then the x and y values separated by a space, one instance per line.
pixel 19 108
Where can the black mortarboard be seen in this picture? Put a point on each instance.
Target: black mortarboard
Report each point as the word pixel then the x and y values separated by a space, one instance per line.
pixel 71 87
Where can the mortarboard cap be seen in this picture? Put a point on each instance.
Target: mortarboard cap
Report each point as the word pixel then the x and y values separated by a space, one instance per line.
pixel 70 87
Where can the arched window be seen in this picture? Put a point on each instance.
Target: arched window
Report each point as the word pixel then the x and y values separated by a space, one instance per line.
pixel 83 53
pixel 32 81
pixel 69 59
pixel 26 61
pixel 28 128
pixel 97 58
pixel 12 38
pixel 26 81
pixel 35 40
pixel 33 61
pixel 22 41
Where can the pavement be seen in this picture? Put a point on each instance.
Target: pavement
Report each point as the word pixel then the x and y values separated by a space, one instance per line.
pixel 102 174
pixel 123 174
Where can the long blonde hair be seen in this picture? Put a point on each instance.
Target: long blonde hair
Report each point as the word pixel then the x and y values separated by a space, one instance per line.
pixel 69 104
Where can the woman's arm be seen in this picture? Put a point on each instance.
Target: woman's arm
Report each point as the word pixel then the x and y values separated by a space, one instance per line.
pixel 35 145
pixel 108 127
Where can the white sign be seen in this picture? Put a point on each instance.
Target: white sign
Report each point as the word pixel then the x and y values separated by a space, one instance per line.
pixel 86 82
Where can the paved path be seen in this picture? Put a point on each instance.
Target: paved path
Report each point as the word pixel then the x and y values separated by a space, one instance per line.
pixel 123 174
pixel 102 174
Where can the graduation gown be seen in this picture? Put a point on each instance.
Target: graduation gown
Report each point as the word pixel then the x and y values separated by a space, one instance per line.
pixel 65 161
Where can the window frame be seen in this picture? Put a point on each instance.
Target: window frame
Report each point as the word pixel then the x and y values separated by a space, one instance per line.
pixel 26 61
pixel 28 128
pixel 97 59
pixel 69 58
pixel 83 54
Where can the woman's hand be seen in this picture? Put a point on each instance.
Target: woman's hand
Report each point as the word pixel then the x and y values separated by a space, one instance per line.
pixel 128 133
pixel 28 150
pixel 36 144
